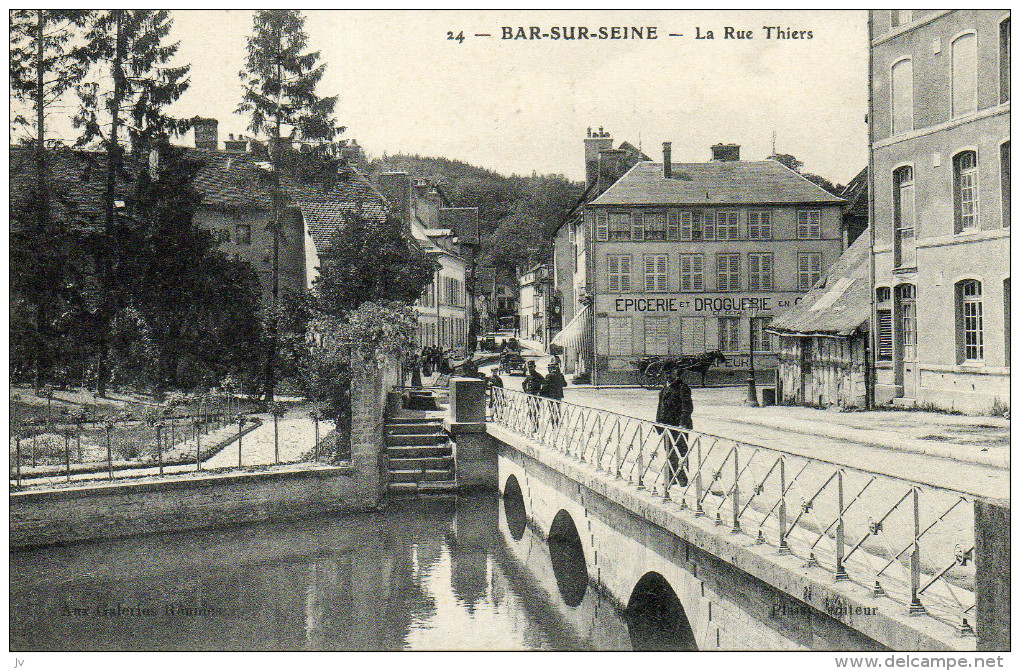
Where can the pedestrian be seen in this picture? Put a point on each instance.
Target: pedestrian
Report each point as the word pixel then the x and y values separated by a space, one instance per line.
pixel 552 388
pixel 444 365
pixel 532 385
pixel 416 371
pixel 492 382
pixel 676 407
pixel 469 368
pixel 426 362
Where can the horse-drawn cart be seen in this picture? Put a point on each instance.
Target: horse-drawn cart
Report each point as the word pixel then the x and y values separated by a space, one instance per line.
pixel 653 371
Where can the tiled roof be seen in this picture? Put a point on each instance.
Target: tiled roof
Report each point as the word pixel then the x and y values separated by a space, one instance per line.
pixel 715 183
pixel 856 195
pixel 840 305
pixel 77 180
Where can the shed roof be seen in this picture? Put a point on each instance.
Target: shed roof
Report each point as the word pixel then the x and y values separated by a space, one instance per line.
pixel 839 304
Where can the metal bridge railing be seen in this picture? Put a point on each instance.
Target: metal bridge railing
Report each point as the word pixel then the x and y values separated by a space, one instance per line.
pixel 910 542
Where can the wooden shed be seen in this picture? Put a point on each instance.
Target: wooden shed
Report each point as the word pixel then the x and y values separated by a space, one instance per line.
pixel 823 339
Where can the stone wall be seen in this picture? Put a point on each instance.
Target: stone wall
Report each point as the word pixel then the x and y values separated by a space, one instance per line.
pixel 200 500
pixel 991 541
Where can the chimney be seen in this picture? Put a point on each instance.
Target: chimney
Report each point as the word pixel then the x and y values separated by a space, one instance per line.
pixel 725 152
pixel 240 145
pixel 593 144
pixel 206 133
pixel 612 164
pixel 667 159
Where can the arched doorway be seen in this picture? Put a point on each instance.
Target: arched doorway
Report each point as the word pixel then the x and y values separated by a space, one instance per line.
pixel 656 618
pixel 567 556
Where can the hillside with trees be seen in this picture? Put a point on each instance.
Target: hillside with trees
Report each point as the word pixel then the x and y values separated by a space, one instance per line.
pixel 518 214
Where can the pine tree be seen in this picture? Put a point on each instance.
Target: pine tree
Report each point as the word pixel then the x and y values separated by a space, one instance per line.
pixel 279 79
pixel 126 49
pixel 42 69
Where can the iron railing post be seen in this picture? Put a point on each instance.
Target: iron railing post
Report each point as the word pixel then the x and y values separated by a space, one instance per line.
pixel 698 485
pixel 159 446
pixel 915 559
pixel 619 442
pixel 784 548
pixel 67 455
pixel 841 574
pixel 640 435
pixel 17 455
pixel 198 444
pixel 736 490
pixel 109 452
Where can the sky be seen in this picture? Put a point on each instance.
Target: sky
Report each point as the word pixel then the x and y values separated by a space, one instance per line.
pixel 518 106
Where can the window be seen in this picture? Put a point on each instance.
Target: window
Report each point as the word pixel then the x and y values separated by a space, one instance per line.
pixel 692 335
pixel 655 226
pixel 965 190
pixel 884 316
pixel 970 336
pixel 243 234
pixel 637 226
pixel 709 225
pixel 759 225
pixel 759 272
pixel 673 225
pixel 809 269
pixel 903 217
pixel 809 224
pixel 656 277
pixel 1005 318
pixel 619 273
pixel 964 74
pixel 692 226
pixel 902 96
pixel 908 321
pixel 729 334
pixel 727 226
pixel 727 272
pixel 898 17
pixel 657 335
pixel 692 272
pixel 760 340
pixel 619 226
pixel 1004 60
pixel 621 336
pixel 1004 180
pixel 601 227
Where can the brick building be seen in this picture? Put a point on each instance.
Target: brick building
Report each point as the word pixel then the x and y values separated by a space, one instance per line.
pixel 694 257
pixel 940 147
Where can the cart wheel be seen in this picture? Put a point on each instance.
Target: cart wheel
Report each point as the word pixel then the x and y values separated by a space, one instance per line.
pixel 652 377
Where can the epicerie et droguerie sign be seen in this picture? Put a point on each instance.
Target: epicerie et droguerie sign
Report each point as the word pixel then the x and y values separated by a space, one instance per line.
pixel 713 304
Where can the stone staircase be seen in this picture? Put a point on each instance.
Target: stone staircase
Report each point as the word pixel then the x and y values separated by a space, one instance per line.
pixel 420 456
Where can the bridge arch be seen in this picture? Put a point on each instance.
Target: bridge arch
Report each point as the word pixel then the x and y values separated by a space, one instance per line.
pixel 655 617
pixel 567 554
pixel 513 507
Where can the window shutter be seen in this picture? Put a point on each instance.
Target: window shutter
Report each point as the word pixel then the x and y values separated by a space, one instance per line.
pixel 649 272
pixel 686 271
pixel 766 272
pixel 685 226
pixel 625 271
pixel 698 272
pixel 802 224
pixel 672 225
pixel 766 225
pixel 816 224
pixel 601 226
pixel 753 232
pixel 614 273
pixel 662 275
pixel 637 226
pixel 753 272
pixel 709 226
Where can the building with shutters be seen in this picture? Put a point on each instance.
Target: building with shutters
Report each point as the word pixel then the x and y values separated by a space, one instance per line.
pixel 940 138
pixel 694 257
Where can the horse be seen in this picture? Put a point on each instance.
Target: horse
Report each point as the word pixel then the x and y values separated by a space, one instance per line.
pixel 702 362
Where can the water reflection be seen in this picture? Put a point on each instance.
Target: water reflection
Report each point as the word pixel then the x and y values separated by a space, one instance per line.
pixel 432 575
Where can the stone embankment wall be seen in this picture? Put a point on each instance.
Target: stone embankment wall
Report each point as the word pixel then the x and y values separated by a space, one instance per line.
pixel 207 499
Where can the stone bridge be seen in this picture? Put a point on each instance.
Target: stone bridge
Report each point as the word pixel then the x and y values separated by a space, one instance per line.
pixel 738 547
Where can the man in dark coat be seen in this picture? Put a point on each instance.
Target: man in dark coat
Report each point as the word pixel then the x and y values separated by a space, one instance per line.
pixel 532 385
pixel 552 388
pixel 676 408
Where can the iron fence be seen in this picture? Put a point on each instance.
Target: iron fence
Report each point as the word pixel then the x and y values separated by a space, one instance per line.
pixel 910 542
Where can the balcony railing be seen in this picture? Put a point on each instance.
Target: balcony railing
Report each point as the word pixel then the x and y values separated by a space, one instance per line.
pixel 910 542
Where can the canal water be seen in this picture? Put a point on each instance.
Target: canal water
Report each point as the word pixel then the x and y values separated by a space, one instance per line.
pixel 432 574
